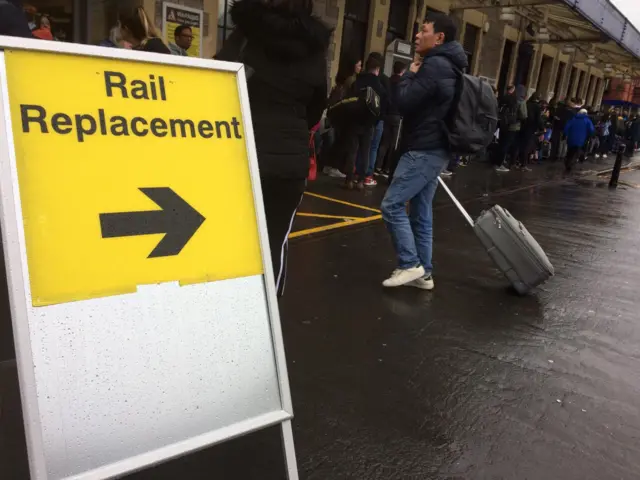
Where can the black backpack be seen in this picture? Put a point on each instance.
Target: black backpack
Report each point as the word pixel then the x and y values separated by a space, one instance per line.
pixel 508 115
pixel 473 118
pixel 363 107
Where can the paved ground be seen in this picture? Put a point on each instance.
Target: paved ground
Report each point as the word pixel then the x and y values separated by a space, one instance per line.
pixel 467 382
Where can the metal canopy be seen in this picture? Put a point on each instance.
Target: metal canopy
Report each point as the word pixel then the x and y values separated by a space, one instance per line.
pixel 593 26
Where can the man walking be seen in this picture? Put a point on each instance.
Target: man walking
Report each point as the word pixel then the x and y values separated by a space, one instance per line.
pixel 425 97
pixel 578 130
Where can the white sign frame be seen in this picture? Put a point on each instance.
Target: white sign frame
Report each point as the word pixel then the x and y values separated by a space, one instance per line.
pixel 13 238
pixel 166 5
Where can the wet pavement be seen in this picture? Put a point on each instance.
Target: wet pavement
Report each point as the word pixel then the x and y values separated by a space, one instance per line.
pixel 469 381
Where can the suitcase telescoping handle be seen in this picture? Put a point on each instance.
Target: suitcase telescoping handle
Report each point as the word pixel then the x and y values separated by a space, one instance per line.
pixel 458 204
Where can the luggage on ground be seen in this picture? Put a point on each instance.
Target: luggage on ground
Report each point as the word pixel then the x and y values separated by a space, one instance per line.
pixel 515 252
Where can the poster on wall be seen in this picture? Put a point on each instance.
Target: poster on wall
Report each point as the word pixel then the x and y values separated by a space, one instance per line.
pixel 173 16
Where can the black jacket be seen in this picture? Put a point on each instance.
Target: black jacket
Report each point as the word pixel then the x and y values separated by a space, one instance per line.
pixel 12 19
pixel 425 97
pixel 372 80
pixel 394 84
pixel 534 122
pixel 288 86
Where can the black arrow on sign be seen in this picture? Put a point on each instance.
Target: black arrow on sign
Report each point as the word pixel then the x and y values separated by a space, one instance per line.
pixel 177 220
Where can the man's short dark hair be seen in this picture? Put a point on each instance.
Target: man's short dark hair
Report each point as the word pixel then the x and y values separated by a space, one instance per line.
pixel 443 24
pixel 373 62
pixel 378 56
pixel 180 29
pixel 399 67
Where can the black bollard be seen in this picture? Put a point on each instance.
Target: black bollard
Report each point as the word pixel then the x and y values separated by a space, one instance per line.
pixel 615 174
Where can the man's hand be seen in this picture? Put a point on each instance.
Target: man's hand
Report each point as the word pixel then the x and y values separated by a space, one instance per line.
pixel 415 66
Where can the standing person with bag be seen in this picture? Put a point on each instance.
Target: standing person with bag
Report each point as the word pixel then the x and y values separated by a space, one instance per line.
pixel 425 98
pixel 285 48
pixel 334 159
pixel 366 127
pixel 511 119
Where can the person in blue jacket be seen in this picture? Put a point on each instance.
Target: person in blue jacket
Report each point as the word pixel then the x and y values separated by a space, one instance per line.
pixel 578 130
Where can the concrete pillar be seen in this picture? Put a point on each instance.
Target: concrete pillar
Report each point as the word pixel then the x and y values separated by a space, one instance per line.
pixel 210 42
pixel 477 55
pixel 514 57
pixel 336 42
pixel 377 31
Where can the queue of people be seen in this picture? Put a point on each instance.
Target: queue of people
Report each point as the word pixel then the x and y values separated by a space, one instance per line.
pixel 531 130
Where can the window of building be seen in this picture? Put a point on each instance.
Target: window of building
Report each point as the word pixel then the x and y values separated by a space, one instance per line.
pixel 581 79
pixel 354 30
pixel 469 43
pixel 225 24
pixel 398 20
pixel 572 79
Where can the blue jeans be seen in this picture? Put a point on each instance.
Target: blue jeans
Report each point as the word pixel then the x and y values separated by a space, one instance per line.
pixel 369 167
pixel 415 180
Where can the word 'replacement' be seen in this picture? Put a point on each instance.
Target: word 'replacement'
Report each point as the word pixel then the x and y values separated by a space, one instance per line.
pixel 37 118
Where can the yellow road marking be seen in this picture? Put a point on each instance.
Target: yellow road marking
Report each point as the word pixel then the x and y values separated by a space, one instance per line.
pixel 322 215
pixel 335 200
pixel 334 226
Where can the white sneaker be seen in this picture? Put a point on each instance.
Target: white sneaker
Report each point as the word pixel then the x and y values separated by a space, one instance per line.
pixel 502 169
pixel 335 173
pixel 597 155
pixel 423 283
pixel 605 156
pixel 401 277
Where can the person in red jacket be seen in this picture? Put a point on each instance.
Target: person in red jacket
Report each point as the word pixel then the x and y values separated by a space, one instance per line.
pixel 43 30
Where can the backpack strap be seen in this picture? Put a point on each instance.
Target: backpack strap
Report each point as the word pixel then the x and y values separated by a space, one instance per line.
pixel 448 119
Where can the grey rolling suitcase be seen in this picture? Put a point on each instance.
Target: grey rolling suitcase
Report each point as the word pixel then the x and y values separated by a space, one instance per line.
pixel 510 245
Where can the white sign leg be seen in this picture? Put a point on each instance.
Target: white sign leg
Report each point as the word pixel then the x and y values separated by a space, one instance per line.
pixel 289 451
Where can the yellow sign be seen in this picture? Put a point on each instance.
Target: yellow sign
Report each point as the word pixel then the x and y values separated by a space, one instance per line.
pixel 130 174
pixel 176 15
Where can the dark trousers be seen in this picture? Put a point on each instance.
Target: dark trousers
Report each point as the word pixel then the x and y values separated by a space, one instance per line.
pixel 335 155
pixel 358 140
pixel 556 139
pixel 281 197
pixel 606 143
pixel 573 154
pixel 388 143
pixel 509 144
